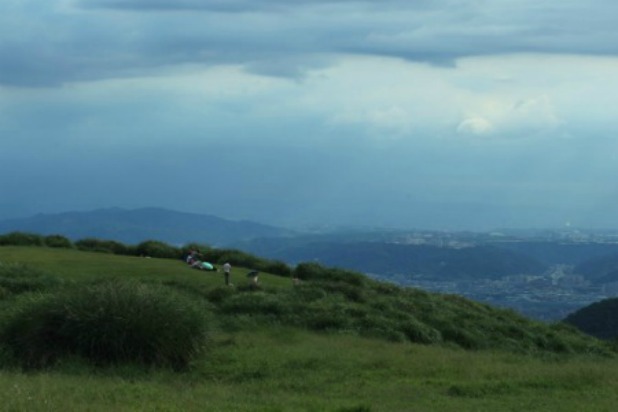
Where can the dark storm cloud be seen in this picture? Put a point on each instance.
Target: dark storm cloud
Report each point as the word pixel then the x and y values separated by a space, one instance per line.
pixel 98 39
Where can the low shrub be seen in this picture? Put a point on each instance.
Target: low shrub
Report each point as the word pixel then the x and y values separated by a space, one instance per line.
pixel 156 249
pixel 308 292
pixel 464 336
pixel 329 313
pixel 219 294
pixel 350 292
pixel 310 271
pixel 275 267
pixel 255 303
pixel 315 271
pixel 107 323
pixel 234 257
pixel 58 241
pixel 21 239
pixel 419 332
pixel 105 246
pixel 376 326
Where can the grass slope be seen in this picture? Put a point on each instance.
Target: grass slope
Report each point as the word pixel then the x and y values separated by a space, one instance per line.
pixel 256 363
pixel 277 369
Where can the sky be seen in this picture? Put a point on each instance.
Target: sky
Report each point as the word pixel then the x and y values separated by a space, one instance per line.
pixel 426 114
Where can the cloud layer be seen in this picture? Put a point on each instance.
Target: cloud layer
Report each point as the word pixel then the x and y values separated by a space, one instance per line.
pixel 64 41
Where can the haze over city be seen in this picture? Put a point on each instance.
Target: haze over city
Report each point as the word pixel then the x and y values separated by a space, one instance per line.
pixel 440 114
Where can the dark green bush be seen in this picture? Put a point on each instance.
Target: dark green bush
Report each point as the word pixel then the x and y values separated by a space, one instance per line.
pixel 419 332
pixel 257 303
pixel 105 246
pixel 350 292
pixel 308 292
pixel 315 271
pixel 310 271
pixel 156 249
pixel 386 332
pixel 21 239
pixel 58 241
pixel 235 257
pixel 329 313
pixel 240 258
pixel 107 323
pixel 219 294
pixel 463 335
pixel 200 247
pixel 275 267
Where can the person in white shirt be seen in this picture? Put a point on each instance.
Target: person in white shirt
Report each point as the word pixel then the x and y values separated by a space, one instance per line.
pixel 227 268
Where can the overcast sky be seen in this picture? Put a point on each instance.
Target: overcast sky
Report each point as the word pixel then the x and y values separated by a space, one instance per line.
pixel 440 114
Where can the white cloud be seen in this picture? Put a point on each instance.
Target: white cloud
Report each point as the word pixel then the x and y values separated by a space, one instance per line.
pixel 474 126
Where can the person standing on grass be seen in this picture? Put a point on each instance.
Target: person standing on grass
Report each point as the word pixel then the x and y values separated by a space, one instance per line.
pixel 227 268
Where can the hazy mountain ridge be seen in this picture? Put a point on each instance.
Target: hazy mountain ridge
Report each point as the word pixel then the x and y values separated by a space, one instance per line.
pixel 439 263
pixel 134 226
pixel 602 269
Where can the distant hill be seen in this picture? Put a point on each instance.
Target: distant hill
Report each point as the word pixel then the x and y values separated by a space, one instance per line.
pixel 437 263
pixel 599 270
pixel 556 252
pixel 134 226
pixel 599 319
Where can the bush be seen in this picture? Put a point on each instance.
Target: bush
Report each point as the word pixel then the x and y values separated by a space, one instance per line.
pixel 310 271
pixel 235 257
pixel 308 292
pixel 315 271
pixel 419 332
pixel 106 246
pixel 464 336
pixel 350 292
pixel 58 241
pixel 21 239
pixel 156 249
pixel 258 303
pixel 275 267
pixel 219 294
pixel 107 323
pixel 329 313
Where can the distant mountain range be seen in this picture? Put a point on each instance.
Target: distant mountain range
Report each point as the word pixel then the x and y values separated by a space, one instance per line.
pixel 134 226
pixel 369 252
pixel 379 257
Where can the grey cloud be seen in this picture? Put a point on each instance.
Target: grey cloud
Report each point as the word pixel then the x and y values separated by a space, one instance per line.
pixel 281 38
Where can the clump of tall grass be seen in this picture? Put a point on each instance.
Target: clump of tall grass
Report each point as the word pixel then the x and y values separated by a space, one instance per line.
pixel 107 323
pixel 18 278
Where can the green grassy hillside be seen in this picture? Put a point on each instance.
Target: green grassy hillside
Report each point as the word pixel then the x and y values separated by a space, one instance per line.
pixel 326 300
pixel 336 341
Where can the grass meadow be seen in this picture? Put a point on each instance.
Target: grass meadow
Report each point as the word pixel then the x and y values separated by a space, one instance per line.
pixel 250 365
